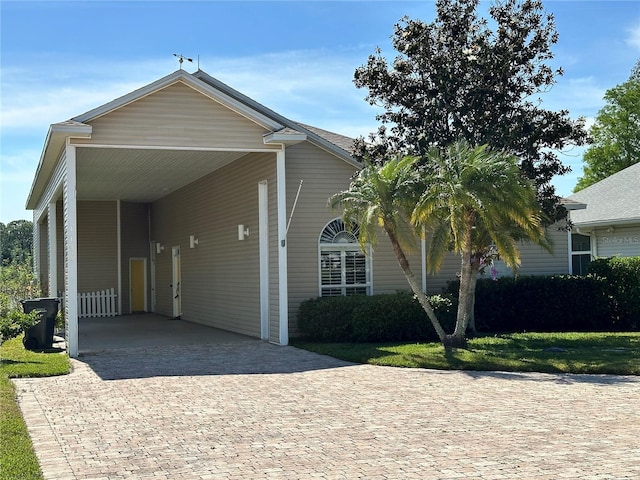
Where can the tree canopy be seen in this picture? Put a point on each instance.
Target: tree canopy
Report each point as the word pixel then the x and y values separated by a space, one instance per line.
pixel 615 134
pixel 16 242
pixel 462 78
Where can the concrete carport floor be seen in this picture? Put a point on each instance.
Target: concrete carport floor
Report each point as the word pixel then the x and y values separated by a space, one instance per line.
pixel 146 330
pixel 248 410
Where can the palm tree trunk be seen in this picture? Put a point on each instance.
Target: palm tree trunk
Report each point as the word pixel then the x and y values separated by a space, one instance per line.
pixel 416 288
pixel 473 281
pixel 462 318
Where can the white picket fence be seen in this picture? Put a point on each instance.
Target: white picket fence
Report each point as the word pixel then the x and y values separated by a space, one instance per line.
pixel 98 304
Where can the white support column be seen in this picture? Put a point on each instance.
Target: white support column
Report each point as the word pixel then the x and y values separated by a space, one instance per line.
pixel 52 248
pixel 119 257
pixel 71 251
pixel 282 249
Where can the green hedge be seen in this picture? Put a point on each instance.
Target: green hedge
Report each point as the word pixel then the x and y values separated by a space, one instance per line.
pixel 378 318
pixel 623 288
pixel 541 304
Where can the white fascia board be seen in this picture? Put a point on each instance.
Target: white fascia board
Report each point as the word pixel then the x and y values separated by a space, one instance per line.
pixel 130 97
pixel 607 223
pixel 54 142
pixel 198 85
pixel 233 104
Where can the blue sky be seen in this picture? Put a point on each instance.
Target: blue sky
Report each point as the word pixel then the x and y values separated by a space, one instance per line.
pixel 60 59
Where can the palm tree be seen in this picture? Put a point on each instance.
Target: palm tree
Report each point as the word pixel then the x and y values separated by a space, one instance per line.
pixel 475 202
pixel 384 197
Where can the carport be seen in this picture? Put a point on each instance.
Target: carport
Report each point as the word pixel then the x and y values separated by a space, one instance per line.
pixel 152 196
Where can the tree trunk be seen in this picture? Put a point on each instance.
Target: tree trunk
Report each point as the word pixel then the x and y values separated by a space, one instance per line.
pixel 416 288
pixel 473 281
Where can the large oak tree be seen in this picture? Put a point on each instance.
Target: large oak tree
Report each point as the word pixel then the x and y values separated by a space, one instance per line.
pixel 462 77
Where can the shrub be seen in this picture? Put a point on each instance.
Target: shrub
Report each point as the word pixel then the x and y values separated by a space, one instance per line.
pixel 623 282
pixel 14 322
pixel 376 318
pixel 542 304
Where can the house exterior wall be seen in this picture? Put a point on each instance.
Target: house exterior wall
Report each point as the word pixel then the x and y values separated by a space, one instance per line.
pixel 534 261
pixel 53 192
pixel 176 116
pixel 220 276
pixel 621 241
pixel 41 250
pixel 134 234
pixel 60 244
pixel 324 175
pixel 97 246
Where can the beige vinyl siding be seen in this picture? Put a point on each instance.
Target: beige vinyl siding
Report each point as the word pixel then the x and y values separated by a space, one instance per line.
pixel 324 175
pixel 45 252
pixel 388 277
pixel 41 249
pixel 537 261
pixel 60 243
pixel 97 246
pixel 437 282
pixel 220 276
pixel 620 242
pixel 134 234
pixel 177 116
pixel 534 261
pixel 53 189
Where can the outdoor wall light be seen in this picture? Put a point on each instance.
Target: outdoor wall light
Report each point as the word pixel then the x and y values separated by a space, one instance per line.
pixel 242 232
pixel 159 247
pixel 193 241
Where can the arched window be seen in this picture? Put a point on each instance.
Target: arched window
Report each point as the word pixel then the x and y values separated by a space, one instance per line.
pixel 344 269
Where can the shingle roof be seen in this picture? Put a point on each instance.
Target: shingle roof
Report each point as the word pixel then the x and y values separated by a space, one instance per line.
pixel 616 199
pixel 342 141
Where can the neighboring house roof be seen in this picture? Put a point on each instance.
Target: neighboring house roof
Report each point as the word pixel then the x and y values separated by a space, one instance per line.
pixel 614 200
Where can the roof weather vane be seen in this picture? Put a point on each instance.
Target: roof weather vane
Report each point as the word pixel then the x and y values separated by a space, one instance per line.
pixel 182 58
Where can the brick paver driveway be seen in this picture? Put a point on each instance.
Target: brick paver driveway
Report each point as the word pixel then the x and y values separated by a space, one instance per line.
pixel 252 410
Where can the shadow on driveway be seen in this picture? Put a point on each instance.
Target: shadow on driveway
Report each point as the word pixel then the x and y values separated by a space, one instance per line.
pixel 238 358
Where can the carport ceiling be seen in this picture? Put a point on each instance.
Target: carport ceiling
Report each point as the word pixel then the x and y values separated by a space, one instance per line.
pixel 140 175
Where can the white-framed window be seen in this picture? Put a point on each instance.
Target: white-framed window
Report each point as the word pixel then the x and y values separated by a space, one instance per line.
pixel 343 268
pixel 580 253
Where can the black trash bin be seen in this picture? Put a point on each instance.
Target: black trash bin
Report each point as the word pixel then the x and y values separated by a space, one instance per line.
pixel 40 336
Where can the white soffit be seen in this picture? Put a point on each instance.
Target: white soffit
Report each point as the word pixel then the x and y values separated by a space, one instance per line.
pixel 142 175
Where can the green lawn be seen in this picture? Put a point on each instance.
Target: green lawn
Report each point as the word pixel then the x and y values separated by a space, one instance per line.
pixel 595 353
pixel 17 459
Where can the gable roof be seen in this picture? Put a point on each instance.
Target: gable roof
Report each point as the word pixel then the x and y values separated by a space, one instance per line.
pixel 282 130
pixel 614 200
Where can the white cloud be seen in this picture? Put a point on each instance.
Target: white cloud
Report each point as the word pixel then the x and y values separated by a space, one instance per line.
pixel 35 97
pixel 303 85
pixel 634 36
pixel 581 96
